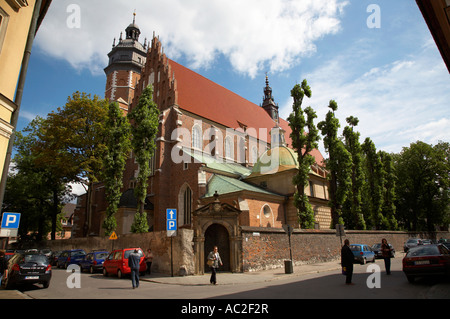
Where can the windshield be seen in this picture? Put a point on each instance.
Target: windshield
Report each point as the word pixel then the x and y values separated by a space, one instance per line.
pixel 128 252
pixel 355 248
pixel 101 255
pixel 39 259
pixel 77 253
pixel 423 251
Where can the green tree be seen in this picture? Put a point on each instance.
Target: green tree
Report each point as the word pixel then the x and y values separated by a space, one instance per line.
pixel 144 129
pixel 72 142
pixel 35 189
pixel 374 186
pixel 355 218
pixel 305 137
pixel 423 177
pixel 388 209
pixel 338 163
pixel 118 146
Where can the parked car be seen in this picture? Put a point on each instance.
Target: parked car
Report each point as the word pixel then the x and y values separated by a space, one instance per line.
pixel 426 260
pixel 117 262
pixel 53 259
pixel 412 242
pixel 69 257
pixel 93 261
pixel 27 268
pixel 377 250
pixel 363 253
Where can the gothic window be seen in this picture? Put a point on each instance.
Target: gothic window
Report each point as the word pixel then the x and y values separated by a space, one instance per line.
pixel 254 158
pixel 197 137
pixel 229 148
pixel 185 205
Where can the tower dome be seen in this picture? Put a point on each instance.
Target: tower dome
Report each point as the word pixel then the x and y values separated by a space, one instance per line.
pixel 274 160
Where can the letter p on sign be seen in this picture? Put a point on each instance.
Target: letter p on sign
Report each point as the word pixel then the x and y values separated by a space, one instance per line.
pixel 10 220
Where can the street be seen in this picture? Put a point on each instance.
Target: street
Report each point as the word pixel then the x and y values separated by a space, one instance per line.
pixel 322 285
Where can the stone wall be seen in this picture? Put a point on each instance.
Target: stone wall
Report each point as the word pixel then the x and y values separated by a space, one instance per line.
pixel 267 248
pixel 158 242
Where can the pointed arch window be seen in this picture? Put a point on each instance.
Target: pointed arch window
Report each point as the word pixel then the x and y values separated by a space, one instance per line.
pixel 197 137
pixel 229 148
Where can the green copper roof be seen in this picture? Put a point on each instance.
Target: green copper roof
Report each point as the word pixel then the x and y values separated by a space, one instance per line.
pixel 225 185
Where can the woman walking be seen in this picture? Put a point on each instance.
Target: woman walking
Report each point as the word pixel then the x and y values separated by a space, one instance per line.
pixel 213 261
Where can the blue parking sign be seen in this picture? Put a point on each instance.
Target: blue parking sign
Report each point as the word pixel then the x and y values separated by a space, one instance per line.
pixel 10 220
pixel 171 219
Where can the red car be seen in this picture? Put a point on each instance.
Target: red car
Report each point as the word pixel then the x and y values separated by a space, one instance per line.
pixel 117 262
pixel 426 260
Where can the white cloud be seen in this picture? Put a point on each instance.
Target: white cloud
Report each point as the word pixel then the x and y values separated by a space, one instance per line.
pixel 397 103
pixel 253 34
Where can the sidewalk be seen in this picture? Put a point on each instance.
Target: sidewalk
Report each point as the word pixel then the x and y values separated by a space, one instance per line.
pixel 227 278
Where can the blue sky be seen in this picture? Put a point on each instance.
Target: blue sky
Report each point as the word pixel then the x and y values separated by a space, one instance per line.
pixel 392 77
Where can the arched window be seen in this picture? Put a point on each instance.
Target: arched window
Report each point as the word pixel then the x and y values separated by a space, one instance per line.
pixel 229 148
pixel 197 137
pixel 185 205
pixel 254 158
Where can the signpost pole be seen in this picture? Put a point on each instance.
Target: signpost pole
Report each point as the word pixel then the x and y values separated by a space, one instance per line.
pixel 171 216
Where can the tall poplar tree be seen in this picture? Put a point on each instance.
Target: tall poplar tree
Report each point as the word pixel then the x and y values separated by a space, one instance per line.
pixel 355 218
pixel 118 146
pixel 338 163
pixel 304 138
pixel 144 129
pixel 388 209
pixel 374 186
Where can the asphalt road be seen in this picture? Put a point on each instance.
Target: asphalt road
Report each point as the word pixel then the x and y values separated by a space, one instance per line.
pixel 324 285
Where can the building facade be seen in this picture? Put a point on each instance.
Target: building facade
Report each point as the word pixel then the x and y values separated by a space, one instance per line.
pixel 213 147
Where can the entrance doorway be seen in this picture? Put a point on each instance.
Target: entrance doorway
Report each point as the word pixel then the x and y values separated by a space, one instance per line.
pixel 217 235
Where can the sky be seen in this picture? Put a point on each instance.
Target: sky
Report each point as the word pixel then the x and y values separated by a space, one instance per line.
pixel 375 58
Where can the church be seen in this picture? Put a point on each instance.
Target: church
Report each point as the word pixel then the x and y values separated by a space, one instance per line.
pixel 221 161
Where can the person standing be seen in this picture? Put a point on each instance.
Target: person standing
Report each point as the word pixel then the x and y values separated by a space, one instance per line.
pixel 3 264
pixel 149 260
pixel 133 262
pixel 347 259
pixel 214 260
pixel 386 253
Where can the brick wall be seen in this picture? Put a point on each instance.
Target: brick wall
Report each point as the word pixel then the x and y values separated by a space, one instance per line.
pixel 267 248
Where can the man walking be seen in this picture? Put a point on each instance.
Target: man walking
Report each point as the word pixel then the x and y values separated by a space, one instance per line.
pixel 133 263
pixel 347 258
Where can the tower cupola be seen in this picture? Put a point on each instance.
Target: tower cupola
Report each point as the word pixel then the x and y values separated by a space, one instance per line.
pixel 269 102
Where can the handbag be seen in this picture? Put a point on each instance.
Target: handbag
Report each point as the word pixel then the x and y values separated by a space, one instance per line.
pixel 210 262
pixel 344 271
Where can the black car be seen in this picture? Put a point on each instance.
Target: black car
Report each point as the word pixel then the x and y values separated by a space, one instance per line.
pixel 377 250
pixel 28 268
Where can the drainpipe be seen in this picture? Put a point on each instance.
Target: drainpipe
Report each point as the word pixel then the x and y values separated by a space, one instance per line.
pixel 19 94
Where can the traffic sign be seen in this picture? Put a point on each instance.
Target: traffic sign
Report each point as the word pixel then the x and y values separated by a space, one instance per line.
pixel 171 216
pixel 113 236
pixel 10 220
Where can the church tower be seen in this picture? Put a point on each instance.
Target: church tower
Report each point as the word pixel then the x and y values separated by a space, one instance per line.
pixel 123 72
pixel 269 104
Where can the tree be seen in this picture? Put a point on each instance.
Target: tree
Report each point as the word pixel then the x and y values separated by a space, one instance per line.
pixel 423 177
pixel 36 190
pixel 374 186
pixel 388 209
pixel 144 117
pixel 71 142
pixel 355 218
pixel 118 145
pixel 338 163
pixel 303 142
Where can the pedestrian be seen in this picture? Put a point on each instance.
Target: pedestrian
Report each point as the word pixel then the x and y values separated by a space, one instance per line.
pixel 347 259
pixel 213 261
pixel 133 262
pixel 149 260
pixel 386 253
pixel 3 264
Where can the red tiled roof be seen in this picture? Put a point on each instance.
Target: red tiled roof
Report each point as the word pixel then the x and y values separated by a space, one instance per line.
pixel 203 97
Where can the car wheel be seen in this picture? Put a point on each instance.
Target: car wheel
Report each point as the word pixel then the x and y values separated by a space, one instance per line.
pixel 46 284
pixel 410 279
pixel 105 273
pixel 363 261
pixel 119 274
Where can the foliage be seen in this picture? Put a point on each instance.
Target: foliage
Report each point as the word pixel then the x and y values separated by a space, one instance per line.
pixel 354 217
pixel 339 164
pixel 118 145
pixel 144 117
pixel 389 181
pixel 423 177
pixel 303 142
